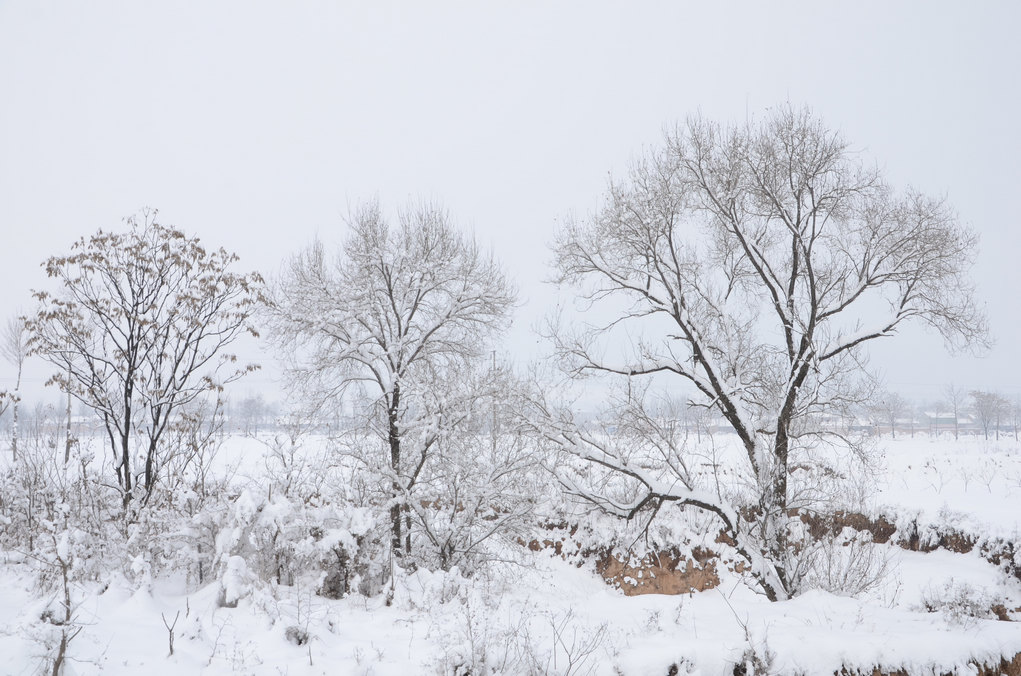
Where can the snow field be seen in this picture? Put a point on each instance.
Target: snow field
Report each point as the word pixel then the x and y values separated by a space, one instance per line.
pixel 534 612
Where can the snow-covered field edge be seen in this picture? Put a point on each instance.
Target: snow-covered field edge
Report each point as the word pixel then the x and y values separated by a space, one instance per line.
pixel 530 611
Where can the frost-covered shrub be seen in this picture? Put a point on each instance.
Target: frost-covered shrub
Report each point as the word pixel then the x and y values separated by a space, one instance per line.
pixel 235 583
pixel 191 527
pixel 351 557
pixel 959 602
pixel 847 562
pixel 27 497
pixel 66 550
pixel 477 493
pixel 32 489
pixel 520 641
pixel 475 643
pixel 332 546
pixel 46 502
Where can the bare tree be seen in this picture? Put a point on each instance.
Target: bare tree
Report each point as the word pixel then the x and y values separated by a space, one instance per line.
pixel 1015 415
pixel 402 310
pixel 250 412
pixel 890 407
pixel 990 408
pixel 956 399
pixel 754 263
pixel 138 329
pixel 14 348
pixel 1002 412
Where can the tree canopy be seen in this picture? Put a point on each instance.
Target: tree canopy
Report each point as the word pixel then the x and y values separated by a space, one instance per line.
pixel 137 329
pixel 754 262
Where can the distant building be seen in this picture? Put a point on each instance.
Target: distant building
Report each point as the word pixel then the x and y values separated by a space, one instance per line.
pixel 941 421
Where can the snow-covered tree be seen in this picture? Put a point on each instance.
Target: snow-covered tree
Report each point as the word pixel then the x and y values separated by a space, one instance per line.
pixel 888 408
pixel 753 263
pixel 403 312
pixel 137 329
pixel 250 413
pixel 956 398
pixel 1015 415
pixel 14 348
pixel 991 408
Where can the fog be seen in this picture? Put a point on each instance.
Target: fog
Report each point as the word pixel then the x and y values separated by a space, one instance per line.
pixel 258 126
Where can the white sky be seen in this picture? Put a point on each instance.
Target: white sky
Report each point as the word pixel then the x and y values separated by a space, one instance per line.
pixel 258 125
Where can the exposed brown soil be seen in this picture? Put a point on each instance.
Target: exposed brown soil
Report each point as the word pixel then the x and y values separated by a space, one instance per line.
pixel 668 571
pixel 818 525
pixel 997 552
pixel 660 573
pixel 1005 667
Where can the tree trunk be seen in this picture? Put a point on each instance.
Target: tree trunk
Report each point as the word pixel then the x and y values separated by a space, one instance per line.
pixel 58 659
pixel 126 433
pixel 67 439
pixel 14 428
pixel 126 465
pixel 775 507
pixel 395 465
pixel 14 412
pixel 150 475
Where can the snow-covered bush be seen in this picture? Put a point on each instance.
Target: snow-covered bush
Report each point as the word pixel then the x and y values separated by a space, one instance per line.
pixel 844 561
pixel 960 603
pixel 476 643
pixel 27 496
pixel 479 492
pixel 45 500
pixel 332 546
pixel 516 640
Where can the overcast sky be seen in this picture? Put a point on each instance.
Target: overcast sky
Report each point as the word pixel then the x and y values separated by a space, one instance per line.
pixel 259 125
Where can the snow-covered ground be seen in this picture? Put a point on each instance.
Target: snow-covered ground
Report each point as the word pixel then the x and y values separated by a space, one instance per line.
pixel 537 613
pixel 973 482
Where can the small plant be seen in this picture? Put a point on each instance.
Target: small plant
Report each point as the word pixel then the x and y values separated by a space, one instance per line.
pixel 296 635
pixel 681 667
pixel 573 647
pixel 170 629
pixel 757 658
